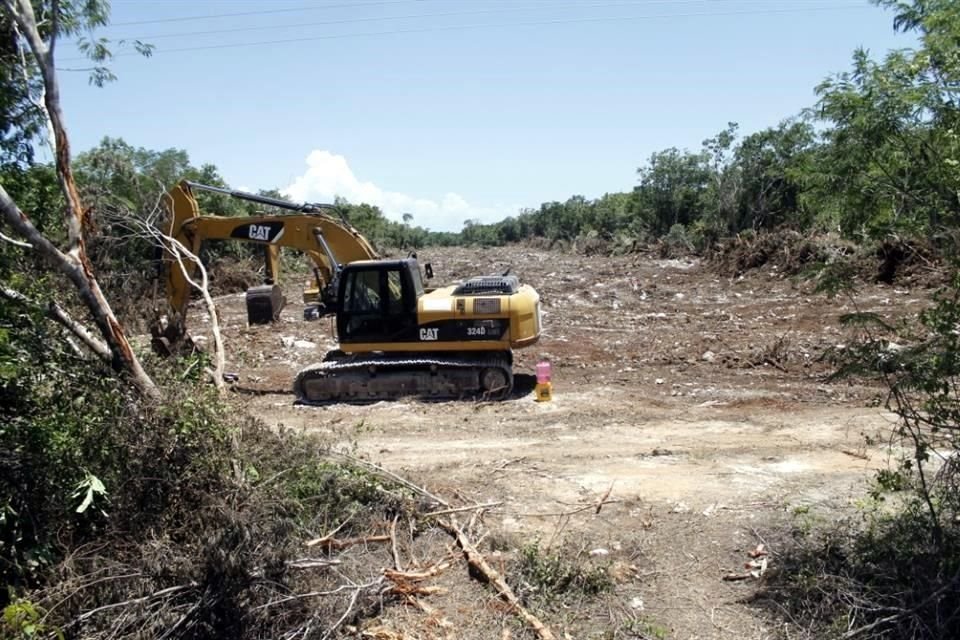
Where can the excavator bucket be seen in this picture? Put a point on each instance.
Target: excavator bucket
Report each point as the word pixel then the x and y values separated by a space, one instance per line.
pixel 264 303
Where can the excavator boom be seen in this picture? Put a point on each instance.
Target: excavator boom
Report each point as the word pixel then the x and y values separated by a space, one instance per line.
pixel 329 242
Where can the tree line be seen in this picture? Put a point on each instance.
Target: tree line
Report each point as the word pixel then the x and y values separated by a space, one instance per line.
pixel 877 154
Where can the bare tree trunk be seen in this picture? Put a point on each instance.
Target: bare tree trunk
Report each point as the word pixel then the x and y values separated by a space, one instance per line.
pixel 73 262
pixel 180 252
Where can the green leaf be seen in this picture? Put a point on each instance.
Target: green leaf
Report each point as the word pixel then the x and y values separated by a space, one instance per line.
pixel 90 488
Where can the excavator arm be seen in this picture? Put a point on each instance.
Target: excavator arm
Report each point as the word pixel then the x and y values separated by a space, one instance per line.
pixel 329 242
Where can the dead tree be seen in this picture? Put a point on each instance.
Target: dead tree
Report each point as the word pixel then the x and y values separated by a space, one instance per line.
pixel 71 260
pixel 180 256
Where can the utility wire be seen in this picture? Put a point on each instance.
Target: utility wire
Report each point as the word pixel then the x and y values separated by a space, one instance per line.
pixel 578 5
pixel 831 7
pixel 261 12
pixel 553 5
pixel 355 5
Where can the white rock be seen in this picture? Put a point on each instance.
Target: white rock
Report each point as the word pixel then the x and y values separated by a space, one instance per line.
pixel 287 341
pixel 636 604
pixel 304 344
pixel 511 524
pixel 599 552
pixel 708 356
pixel 659 380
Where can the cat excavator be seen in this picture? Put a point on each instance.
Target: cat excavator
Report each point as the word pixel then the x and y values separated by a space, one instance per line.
pixel 397 337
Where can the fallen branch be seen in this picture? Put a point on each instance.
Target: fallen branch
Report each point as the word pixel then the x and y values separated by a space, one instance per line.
pixel 434 616
pixel 163 593
pixel 478 563
pixel 933 597
pixel 311 563
pixel 603 500
pixel 470 507
pixel 392 476
pixel 853 633
pixel 382 633
pixel 179 251
pixel 331 543
pixel 393 544
pixel 855 454
pixel 319 594
pixel 411 589
pixel 586 507
pixel 430 572
pixel 773 363
pixel 346 614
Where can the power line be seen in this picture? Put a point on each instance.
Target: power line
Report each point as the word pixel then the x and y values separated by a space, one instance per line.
pixel 831 7
pixel 362 4
pixel 260 12
pixel 355 5
pixel 553 5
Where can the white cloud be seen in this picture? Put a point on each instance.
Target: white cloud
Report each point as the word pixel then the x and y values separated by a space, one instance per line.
pixel 328 175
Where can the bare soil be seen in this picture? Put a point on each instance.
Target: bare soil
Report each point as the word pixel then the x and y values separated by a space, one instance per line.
pixel 699 399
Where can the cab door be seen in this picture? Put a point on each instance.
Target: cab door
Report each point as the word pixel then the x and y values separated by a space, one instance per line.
pixel 400 319
pixel 379 305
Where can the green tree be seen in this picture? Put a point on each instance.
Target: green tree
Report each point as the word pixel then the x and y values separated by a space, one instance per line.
pixel 21 120
pixel 22 113
pixel 720 198
pixel 891 157
pixel 772 164
pixel 671 189
pixel 610 214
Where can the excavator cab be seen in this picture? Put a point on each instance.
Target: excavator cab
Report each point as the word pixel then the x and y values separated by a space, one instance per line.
pixel 378 301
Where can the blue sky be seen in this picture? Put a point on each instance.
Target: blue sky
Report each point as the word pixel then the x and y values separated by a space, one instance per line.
pixel 456 109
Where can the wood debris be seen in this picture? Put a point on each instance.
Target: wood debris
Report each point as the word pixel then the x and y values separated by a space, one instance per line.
pixel 328 542
pixel 755 568
pixel 480 569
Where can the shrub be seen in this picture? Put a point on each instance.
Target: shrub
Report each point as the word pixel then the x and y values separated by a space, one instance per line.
pixel 546 577
pixel 895 573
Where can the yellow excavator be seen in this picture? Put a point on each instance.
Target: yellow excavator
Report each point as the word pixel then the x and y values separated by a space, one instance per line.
pixel 396 337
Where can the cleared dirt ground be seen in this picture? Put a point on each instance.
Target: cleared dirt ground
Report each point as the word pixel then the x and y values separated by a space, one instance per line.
pixel 699 399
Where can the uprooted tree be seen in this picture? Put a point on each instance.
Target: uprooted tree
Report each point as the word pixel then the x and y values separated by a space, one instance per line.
pixel 36 36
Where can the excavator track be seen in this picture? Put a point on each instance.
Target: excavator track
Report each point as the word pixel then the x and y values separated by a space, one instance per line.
pixel 372 377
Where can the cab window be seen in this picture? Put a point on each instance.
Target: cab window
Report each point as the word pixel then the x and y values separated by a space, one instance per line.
pixel 394 292
pixel 363 292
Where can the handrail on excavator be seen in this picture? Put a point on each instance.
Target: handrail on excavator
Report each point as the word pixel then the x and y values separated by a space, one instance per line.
pixel 307 207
